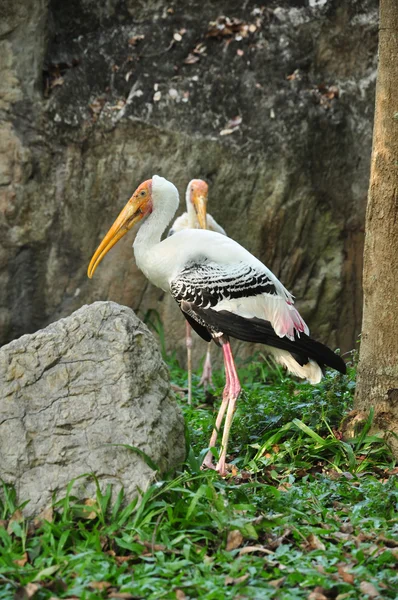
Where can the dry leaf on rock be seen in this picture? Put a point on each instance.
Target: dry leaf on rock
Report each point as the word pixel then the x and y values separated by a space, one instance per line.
pixel 226 131
pixel 133 41
pixel 199 48
pixel 46 515
pixel 235 122
pixel 191 59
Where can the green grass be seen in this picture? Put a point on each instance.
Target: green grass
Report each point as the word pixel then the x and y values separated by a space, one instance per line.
pixel 303 514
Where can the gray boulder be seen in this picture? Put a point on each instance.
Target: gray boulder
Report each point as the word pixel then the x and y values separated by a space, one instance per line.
pixel 70 391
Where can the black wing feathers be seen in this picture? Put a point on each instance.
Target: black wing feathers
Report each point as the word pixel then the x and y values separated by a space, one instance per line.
pixel 257 330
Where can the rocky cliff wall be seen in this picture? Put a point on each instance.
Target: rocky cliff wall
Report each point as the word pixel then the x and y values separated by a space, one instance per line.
pixel 271 103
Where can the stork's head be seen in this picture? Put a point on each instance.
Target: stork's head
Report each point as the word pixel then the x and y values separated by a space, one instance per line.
pixel 197 192
pixel 157 195
pixel 139 205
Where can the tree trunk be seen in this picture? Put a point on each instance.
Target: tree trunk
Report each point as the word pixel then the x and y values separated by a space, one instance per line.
pixel 378 359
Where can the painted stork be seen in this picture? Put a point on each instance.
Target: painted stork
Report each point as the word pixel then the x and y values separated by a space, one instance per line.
pixel 222 290
pixel 196 217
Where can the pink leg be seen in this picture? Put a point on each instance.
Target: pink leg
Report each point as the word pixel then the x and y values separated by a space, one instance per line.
pixel 188 343
pixel 208 461
pixel 206 379
pixel 234 391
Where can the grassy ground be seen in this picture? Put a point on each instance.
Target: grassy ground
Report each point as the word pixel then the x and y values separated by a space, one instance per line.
pixel 302 515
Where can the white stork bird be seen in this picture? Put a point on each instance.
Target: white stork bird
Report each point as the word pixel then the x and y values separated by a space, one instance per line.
pixel 196 217
pixel 222 290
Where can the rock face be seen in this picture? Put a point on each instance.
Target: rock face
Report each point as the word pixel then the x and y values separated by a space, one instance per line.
pixel 69 391
pixel 103 95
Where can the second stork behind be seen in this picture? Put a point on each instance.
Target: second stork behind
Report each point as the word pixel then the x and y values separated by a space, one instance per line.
pixel 196 217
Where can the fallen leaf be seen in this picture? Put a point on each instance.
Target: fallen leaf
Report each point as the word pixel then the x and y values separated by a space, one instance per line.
pixel 180 595
pixel 235 580
pixel 122 559
pixel 17 517
pixel 21 562
pixel 99 585
pixel 26 592
pixel 46 515
pixel 250 549
pixel 122 595
pixel 283 487
pixel 226 131
pixel 347 577
pixel 157 96
pixel 276 583
pixel 368 588
pixel 317 596
pixel 234 540
pixel 191 59
pixel 315 543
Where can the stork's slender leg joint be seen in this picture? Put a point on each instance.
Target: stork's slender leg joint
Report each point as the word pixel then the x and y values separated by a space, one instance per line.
pixel 188 342
pixel 234 391
pixel 208 461
pixel 206 379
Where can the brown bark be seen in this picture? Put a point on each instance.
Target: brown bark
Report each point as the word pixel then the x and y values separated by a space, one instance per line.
pixel 378 364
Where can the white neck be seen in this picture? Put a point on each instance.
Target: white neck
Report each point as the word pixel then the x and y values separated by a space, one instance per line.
pixel 192 218
pixel 165 202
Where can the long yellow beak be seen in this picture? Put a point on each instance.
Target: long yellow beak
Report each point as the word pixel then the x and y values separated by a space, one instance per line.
pixel 129 216
pixel 200 202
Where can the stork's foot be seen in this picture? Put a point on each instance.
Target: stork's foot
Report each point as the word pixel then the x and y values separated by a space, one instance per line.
pixel 208 462
pixel 221 467
pixel 180 391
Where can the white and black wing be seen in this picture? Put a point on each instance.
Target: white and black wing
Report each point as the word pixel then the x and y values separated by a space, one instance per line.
pixel 243 302
pixel 239 288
